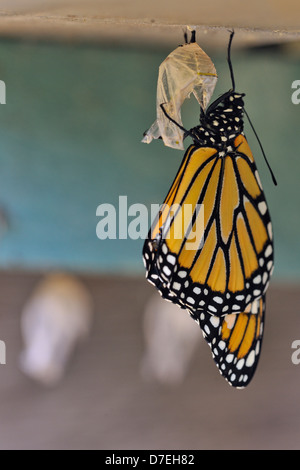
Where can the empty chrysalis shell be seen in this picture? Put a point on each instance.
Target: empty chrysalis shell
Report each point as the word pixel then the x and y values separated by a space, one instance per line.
pixel 186 70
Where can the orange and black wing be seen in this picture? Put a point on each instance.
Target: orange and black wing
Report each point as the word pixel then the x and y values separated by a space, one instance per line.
pixel 235 341
pixel 210 247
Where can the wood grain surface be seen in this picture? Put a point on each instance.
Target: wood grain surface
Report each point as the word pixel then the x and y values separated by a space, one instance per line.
pixel 129 20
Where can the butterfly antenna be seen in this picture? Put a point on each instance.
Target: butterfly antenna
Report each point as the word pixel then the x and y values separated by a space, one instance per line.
pixel 229 60
pixel 261 147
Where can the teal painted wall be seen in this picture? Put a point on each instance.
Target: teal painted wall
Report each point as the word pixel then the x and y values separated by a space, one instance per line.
pixel 70 140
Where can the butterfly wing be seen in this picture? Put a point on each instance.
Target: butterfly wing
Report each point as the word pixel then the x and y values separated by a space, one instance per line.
pixel 231 263
pixel 235 341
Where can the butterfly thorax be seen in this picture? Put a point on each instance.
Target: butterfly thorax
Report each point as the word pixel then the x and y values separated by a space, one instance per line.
pixel 221 124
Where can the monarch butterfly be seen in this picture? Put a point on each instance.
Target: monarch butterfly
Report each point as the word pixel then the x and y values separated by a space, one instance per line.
pixel 222 280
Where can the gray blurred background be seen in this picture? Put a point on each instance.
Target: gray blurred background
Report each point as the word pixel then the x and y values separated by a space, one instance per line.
pixel 80 91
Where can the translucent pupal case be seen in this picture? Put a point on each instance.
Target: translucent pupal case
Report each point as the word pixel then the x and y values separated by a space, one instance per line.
pixel 188 69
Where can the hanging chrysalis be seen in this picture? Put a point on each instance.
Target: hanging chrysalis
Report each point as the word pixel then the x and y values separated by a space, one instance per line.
pixel 186 70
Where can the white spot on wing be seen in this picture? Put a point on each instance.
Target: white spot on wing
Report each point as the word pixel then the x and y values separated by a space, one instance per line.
pixel 262 206
pixel 171 259
pixel 270 265
pixel 265 278
pixel 182 274
pixel 167 271
pixel 215 321
pixel 254 307
pixel 206 328
pixel 268 251
pixel 250 359
pixel 229 358
pixel 270 230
